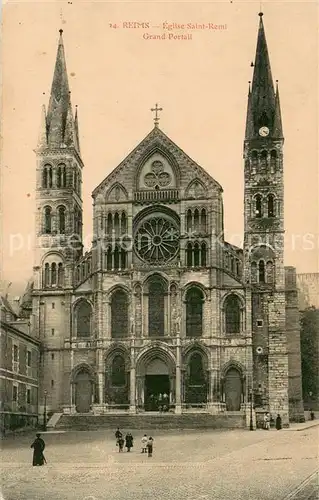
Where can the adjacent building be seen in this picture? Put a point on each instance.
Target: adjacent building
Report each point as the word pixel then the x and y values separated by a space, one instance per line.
pixel 19 370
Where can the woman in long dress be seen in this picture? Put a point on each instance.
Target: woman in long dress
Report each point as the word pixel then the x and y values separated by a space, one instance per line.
pixel 38 446
pixel 278 422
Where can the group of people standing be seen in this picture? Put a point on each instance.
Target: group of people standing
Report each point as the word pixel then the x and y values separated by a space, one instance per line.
pixel 146 442
pixel 278 422
pixel 158 402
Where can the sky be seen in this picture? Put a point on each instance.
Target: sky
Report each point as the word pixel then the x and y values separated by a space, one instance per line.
pixel 116 75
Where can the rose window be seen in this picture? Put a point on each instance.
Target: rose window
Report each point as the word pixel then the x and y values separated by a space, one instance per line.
pixel 157 240
pixel 157 177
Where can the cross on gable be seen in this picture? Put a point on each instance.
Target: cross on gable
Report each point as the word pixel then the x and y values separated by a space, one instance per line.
pixel 156 117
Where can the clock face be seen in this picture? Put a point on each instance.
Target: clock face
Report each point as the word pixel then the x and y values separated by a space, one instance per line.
pixel 263 131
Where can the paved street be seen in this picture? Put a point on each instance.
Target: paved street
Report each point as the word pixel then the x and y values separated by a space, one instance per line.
pixel 192 465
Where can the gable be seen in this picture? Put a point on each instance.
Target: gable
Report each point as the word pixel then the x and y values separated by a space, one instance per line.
pixel 138 168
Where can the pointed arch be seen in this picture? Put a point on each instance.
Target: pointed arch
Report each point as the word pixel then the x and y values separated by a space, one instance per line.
pixel 196 365
pixel 118 372
pixel 196 189
pixel 196 371
pixel 157 350
pixel 194 312
pixel 232 363
pixel 116 192
pixel 83 367
pixel 160 149
pixel 232 310
pixel 196 250
pixel 82 312
pixel 196 345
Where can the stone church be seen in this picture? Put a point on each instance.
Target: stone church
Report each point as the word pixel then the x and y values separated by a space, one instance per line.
pixel 162 312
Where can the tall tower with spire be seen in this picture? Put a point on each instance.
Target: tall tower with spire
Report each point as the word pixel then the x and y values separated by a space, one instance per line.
pixel 59 174
pixel 58 243
pixel 264 234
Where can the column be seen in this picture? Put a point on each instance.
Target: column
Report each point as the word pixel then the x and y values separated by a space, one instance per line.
pixel 178 402
pixel 140 390
pixel 132 390
pixel 132 379
pixel 101 388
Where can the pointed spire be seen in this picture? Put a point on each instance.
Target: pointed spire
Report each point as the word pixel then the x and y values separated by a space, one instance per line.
pixel 262 91
pixel 59 99
pixel 43 138
pixel 277 127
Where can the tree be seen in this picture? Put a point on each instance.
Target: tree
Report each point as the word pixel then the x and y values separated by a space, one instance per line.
pixel 309 338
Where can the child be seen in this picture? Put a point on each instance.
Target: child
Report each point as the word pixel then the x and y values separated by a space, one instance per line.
pixel 144 443
pixel 266 422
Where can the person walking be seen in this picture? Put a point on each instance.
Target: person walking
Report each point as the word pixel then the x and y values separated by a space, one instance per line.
pixel 150 446
pixel 118 435
pixel 121 444
pixel 129 441
pixel 278 422
pixel 38 446
pixel 144 441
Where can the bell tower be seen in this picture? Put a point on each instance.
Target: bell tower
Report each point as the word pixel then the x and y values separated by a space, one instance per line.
pixel 264 235
pixel 58 183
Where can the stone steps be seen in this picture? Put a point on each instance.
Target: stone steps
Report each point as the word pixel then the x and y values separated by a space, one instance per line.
pixel 154 421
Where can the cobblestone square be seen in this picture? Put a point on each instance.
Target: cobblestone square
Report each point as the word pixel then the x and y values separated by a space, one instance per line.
pixel 237 465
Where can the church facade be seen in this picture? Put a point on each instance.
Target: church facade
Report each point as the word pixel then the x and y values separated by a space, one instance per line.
pixel 162 311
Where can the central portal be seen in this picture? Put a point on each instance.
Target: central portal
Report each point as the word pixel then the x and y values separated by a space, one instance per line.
pixel 157 386
pixel 157 391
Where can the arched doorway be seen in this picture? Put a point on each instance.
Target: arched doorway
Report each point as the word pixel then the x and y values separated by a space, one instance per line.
pixel 157 385
pixel 233 390
pixel 83 392
pixel 155 378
